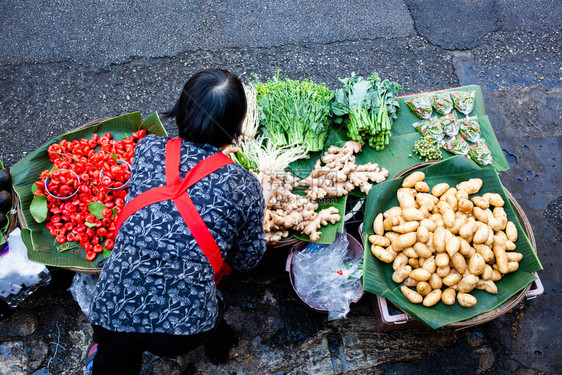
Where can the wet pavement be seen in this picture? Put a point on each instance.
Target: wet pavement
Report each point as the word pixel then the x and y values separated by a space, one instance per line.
pixel 64 64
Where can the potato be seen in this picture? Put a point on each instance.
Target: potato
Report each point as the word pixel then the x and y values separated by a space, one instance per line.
pixel 485 251
pixel 391 235
pixel 409 226
pixel 411 295
pixel 499 212
pixel 499 240
pixel 494 199
pixel 440 189
pixel 467 283
pixel 466 300
pixel 420 274
pixel 405 199
pixel 422 187
pixel 449 218
pixel 409 282
pixel 514 257
pixel 487 274
pixel 401 274
pixel 490 240
pixel 480 215
pixel 410 252
pixel 476 264
pixel 414 262
pixel 439 239
pixel 501 258
pixel 393 211
pixel 471 186
pixel 453 245
pixel 480 202
pixel 389 222
pixel 429 265
pixel 412 214
pixel 481 235
pixel 422 250
pixel 512 267
pixel 460 220
pixel 426 198
pixel 382 241
pixel 448 296
pixel 435 281
pixel 489 214
pixel 423 288
pixel 432 298
pixel 442 260
pixel 443 271
pixel 497 224
pixel 429 224
pixel 399 261
pixel 468 229
pixel 452 200
pixel 412 179
pixel 465 205
pixel 459 262
pixel 423 234
pixel 404 240
pixel 452 278
pixel 511 231
pixel 496 275
pixel 487 285
pixel 466 250
pixel 382 254
pixel 509 246
pixel 378 226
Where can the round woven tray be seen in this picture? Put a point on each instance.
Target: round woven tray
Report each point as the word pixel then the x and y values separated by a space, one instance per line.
pixel 21 220
pixel 516 299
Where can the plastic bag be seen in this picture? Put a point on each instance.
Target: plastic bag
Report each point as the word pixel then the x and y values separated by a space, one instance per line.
pixel 328 277
pixel 20 277
pixel 82 290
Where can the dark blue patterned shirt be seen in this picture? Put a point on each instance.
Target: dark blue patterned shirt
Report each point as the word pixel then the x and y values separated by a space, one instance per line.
pixel 157 278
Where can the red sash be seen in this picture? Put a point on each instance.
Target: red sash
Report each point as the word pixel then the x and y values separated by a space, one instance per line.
pixel 175 189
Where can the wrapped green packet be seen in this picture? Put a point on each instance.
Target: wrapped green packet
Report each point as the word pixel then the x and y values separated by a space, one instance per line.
pixel 464 101
pixel 421 106
pixel 449 124
pixel 430 128
pixel 442 103
pixel 456 145
pixel 470 129
pixel 480 153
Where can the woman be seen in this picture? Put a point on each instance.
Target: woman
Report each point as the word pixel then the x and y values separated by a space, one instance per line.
pixel 157 291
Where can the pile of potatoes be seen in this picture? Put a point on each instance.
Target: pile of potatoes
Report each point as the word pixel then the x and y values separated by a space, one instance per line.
pixel 444 238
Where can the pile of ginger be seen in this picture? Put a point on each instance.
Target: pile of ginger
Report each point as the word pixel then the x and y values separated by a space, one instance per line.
pixel 338 176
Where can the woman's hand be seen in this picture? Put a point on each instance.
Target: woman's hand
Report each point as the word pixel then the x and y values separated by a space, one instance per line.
pixel 229 149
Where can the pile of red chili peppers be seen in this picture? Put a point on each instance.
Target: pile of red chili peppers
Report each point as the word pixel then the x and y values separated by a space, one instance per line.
pixel 87 217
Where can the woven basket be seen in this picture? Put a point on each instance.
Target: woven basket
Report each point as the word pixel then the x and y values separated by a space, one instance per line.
pixel 513 301
pixel 14 215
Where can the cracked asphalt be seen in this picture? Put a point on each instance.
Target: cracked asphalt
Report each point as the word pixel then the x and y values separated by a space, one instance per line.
pixel 65 63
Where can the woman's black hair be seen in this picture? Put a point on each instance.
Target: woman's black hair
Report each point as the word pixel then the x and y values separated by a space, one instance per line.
pixel 211 108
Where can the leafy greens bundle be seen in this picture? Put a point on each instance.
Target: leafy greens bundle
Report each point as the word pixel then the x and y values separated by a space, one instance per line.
pixel 368 106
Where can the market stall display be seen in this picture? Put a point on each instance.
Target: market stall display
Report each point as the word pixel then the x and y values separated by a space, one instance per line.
pixel 101 204
pixel 378 276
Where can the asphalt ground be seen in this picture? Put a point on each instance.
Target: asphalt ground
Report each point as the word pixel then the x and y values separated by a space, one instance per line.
pixel 65 63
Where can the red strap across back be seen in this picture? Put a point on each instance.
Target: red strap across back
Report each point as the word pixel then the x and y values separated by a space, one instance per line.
pixel 175 189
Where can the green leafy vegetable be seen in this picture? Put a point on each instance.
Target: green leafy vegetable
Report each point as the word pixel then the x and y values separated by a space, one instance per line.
pixel 369 107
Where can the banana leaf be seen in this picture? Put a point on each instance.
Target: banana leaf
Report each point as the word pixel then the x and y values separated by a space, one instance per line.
pixel 329 231
pixel 396 156
pixel 377 276
pixel 39 242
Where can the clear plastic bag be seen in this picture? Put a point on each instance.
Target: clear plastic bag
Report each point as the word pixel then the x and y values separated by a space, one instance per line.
pixel 20 277
pixel 82 290
pixel 328 277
